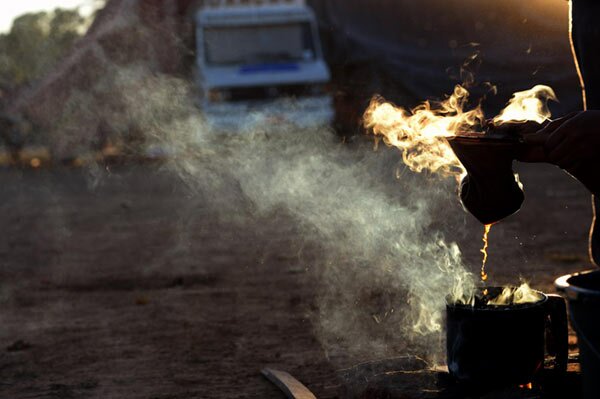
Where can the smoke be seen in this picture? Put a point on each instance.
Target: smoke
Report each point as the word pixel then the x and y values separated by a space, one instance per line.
pixel 384 264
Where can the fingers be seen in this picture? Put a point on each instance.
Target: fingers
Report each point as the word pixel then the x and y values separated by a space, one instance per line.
pixel 536 144
pixel 572 143
pixel 565 146
pixel 553 143
pixel 566 154
pixel 559 135
pixel 556 123
pixel 547 135
pixel 541 136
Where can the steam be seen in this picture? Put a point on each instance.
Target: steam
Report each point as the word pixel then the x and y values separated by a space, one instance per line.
pixel 382 267
pixel 509 296
pixel 528 105
pixel 384 264
pixel 515 296
pixel 421 133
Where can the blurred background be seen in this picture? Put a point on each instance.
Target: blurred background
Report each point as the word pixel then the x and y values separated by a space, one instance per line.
pixel 188 193
pixel 403 51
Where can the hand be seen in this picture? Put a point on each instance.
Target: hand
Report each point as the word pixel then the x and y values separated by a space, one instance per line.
pixel 533 149
pixel 572 143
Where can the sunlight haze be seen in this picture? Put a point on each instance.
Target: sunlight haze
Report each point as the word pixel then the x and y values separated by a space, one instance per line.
pixel 10 10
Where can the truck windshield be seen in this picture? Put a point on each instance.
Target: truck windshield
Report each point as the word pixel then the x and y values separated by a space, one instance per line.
pixel 258 44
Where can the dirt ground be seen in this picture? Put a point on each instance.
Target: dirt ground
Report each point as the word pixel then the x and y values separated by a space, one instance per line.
pixel 133 289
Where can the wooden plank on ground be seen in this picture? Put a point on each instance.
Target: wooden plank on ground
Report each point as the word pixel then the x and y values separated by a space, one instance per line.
pixel 293 388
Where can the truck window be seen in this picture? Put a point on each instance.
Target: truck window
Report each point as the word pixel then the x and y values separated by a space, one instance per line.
pixel 256 44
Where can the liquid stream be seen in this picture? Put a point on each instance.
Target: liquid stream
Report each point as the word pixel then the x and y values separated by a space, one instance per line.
pixel 483 250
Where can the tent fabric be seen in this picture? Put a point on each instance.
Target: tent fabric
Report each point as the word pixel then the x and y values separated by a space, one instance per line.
pixel 421 45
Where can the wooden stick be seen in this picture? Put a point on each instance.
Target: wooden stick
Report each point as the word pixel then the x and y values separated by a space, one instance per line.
pixel 292 388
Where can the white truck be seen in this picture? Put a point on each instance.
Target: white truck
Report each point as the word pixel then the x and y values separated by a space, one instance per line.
pixel 260 62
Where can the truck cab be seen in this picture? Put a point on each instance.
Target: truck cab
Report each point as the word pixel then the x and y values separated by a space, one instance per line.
pixel 261 62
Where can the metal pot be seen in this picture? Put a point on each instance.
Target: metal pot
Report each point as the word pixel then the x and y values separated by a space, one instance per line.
pixel 495 346
pixel 583 293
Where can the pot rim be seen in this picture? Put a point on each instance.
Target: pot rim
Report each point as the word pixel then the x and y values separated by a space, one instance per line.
pixel 498 308
pixel 563 285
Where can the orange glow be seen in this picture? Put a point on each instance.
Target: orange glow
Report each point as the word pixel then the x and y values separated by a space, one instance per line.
pixel 483 250
pixel 528 386
pixel 35 163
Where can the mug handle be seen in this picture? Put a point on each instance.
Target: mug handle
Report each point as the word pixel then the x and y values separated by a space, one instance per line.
pixel 558 344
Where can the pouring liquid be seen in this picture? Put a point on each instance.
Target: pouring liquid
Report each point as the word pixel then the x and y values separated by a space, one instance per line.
pixel 484 276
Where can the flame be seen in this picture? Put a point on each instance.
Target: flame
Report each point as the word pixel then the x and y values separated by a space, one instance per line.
pixel 516 296
pixel 528 105
pixel 420 133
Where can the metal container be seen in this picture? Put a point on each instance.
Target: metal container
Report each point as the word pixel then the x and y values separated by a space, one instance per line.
pixel 489 191
pixel 583 294
pixel 496 346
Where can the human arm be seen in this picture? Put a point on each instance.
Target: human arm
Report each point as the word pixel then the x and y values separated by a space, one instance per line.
pixel 573 144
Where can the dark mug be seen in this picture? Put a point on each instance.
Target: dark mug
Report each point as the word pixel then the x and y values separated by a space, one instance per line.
pixel 493 346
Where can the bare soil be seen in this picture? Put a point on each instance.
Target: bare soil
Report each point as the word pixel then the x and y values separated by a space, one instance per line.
pixel 133 288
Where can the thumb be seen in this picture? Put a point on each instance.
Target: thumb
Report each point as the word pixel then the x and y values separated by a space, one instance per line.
pixel 550 126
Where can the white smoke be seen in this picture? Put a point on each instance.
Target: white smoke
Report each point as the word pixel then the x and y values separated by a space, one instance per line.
pixel 384 263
